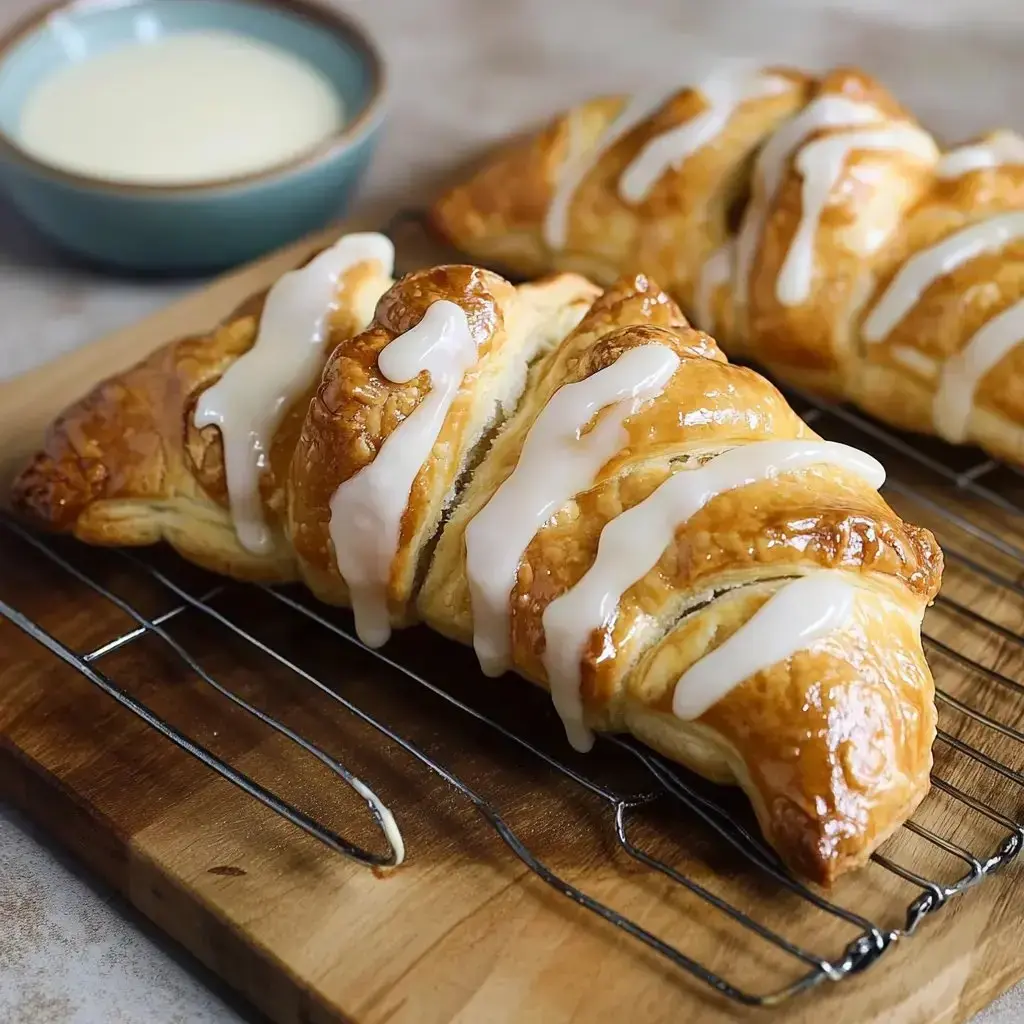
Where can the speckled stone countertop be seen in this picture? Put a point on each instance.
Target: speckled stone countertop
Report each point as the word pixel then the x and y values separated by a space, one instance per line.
pixel 462 72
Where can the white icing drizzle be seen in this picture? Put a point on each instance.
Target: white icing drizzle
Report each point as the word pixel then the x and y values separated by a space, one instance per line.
pixel 387 819
pixel 928 265
pixel 713 275
pixel 633 542
pixel 557 461
pixel 915 360
pixel 249 401
pixel 825 112
pixel 962 373
pixel 820 164
pixel 791 620
pixel 723 94
pixel 997 150
pixel 366 509
pixel 581 161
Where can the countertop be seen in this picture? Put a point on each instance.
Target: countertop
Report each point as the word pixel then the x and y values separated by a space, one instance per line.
pixel 463 72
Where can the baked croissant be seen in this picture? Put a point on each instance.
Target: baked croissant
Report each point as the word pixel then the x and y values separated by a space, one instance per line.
pixel 580 485
pixel 809 223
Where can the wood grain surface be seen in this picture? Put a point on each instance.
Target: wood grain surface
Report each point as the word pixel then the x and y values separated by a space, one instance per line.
pixel 464 931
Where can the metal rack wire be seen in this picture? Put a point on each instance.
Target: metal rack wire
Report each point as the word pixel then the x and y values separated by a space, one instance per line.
pixel 927 478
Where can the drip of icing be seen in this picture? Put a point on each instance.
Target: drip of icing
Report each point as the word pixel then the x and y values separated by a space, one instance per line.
pixel 998 150
pixel 791 620
pixel 249 401
pixel 962 373
pixel 914 360
pixel 820 164
pixel 632 543
pixel 825 112
pixel 367 509
pixel 927 266
pixel 713 275
pixel 387 819
pixel 723 94
pixel 557 461
pixel 580 163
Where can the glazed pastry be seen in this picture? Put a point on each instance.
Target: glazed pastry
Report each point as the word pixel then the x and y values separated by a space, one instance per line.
pixel 812 225
pixel 657 539
pixel 192 446
pixel 585 490
pixel 403 411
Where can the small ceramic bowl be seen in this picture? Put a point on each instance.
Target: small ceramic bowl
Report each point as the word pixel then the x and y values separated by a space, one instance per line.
pixel 205 226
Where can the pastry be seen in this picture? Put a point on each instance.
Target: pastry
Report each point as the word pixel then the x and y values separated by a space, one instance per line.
pixel 582 487
pixel 174 446
pixel 809 223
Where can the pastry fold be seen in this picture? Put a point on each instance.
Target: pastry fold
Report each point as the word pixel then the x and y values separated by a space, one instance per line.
pixel 579 413
pixel 809 223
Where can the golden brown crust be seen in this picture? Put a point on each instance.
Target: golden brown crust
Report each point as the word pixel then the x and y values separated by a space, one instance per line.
pixel 884 207
pixel 824 809
pixel 356 409
pixel 815 518
pixel 951 311
pixel 126 464
pixel 498 215
pixel 833 745
pixel 869 200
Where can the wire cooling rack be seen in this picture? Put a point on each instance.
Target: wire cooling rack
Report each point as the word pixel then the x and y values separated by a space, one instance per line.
pixel 965 830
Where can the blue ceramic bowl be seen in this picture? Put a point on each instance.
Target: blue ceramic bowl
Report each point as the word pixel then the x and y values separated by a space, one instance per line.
pixel 205 226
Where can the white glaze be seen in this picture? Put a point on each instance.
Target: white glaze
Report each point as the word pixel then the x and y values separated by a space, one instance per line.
pixel 723 95
pixel 928 265
pixel 713 275
pixel 821 164
pixel 249 401
pixel 915 360
pixel 387 819
pixel 633 542
pixel 791 620
pixel 1000 149
pixel 180 109
pixel 962 373
pixel 825 112
pixel 366 509
pixel 557 461
pixel 581 161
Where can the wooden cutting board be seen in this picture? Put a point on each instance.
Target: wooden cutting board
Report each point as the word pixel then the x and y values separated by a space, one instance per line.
pixel 463 931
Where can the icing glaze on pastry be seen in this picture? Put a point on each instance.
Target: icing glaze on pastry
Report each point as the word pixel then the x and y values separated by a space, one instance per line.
pixel 825 112
pixel 963 372
pixel 791 620
pixel 999 149
pixel 249 401
pixel 366 509
pixel 928 265
pixel 820 164
pixel 557 461
pixel 723 95
pixel 715 272
pixel 915 360
pixel 631 544
pixel 581 161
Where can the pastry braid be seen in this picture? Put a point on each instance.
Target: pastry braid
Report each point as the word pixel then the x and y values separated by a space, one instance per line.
pixel 809 223
pixel 581 486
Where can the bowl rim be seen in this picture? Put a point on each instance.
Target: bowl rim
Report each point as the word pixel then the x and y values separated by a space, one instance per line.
pixel 349 135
